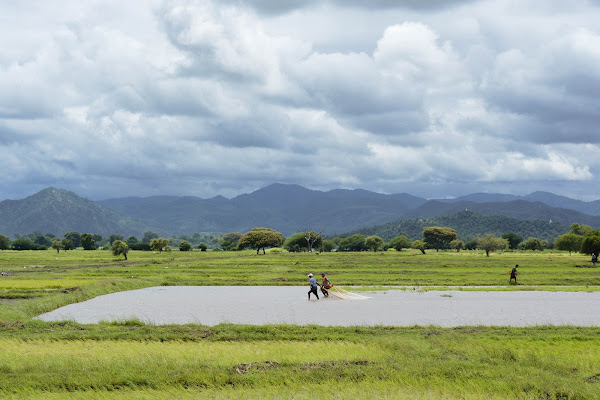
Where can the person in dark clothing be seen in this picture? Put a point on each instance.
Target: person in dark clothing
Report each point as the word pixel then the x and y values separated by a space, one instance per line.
pixel 313 286
pixel 513 274
pixel 594 259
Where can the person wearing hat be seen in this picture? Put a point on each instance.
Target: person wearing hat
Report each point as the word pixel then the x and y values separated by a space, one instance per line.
pixel 325 285
pixel 313 286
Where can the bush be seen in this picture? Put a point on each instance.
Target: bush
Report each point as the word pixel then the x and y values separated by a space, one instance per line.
pixel 185 246
pixel 139 246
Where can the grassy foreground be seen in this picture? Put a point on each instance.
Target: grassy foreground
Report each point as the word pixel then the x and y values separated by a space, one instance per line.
pixel 133 360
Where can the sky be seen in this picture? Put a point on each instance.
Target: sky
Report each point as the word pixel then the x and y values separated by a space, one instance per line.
pixel 436 98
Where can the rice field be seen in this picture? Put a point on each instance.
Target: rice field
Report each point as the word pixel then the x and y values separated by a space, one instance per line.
pixel 134 360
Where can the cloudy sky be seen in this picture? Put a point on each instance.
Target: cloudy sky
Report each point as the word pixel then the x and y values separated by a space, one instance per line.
pixel 436 98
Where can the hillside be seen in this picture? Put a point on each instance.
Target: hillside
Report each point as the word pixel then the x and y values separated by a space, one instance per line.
pixel 519 209
pixel 468 225
pixel 285 208
pixel 58 211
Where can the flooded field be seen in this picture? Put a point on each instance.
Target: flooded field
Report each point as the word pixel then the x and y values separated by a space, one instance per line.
pixel 257 305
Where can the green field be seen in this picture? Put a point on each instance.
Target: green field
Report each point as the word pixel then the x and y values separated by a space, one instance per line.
pixel 133 360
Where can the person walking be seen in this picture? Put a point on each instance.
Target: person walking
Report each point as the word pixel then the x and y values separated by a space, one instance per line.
pixel 513 274
pixel 594 259
pixel 313 286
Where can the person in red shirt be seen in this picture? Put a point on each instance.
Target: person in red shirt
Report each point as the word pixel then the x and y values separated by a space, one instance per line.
pixel 325 285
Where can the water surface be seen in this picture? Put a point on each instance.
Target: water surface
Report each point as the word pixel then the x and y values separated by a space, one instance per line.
pixel 259 305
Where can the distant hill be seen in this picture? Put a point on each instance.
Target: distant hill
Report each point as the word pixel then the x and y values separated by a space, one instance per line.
pixel 285 208
pixel 59 211
pixel 468 225
pixel 550 199
pixel 520 209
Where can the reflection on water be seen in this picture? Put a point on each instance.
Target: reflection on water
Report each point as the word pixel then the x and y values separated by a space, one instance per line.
pixel 259 305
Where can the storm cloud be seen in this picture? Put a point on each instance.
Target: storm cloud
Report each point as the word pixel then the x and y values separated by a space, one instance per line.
pixel 206 98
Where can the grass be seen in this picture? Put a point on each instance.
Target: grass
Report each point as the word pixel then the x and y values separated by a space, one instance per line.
pixel 133 360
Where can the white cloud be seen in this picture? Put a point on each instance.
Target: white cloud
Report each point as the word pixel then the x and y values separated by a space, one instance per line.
pixel 226 97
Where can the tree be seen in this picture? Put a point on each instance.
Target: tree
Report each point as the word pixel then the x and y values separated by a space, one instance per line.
pixel 591 243
pixel 229 241
pixel 260 238
pixel 114 237
pixel 296 242
pixel 4 242
pixel 400 242
pixel 439 237
pixel 202 247
pixel 568 242
pixel 533 244
pixel 328 245
pixel 513 239
pixel 580 229
pixel 131 240
pixel 68 244
pixel 23 244
pixel 57 245
pixel 185 246
pixel 312 239
pixel 74 237
pixel 119 247
pixel 458 245
pixel 374 242
pixel 159 244
pixel 148 236
pixel 87 241
pixel 419 245
pixel 353 243
pixel 491 243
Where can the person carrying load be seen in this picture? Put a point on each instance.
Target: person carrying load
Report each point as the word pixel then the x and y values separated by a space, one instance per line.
pixel 325 285
pixel 513 274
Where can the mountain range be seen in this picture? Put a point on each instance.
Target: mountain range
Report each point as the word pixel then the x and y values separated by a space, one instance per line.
pixel 285 208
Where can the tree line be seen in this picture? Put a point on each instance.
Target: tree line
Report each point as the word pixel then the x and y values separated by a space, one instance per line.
pixel 581 238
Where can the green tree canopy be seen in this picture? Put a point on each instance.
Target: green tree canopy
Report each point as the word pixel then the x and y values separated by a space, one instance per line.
pixel 159 244
pixel 533 243
pixel 580 229
pixel 148 236
pixel 260 238
pixel 569 242
pixel 57 245
pixel 513 239
pixel 591 242
pixel 202 246
pixel 457 245
pixel 439 237
pixel 74 237
pixel 374 242
pixel 185 246
pixel 68 244
pixel 353 243
pixel 119 247
pixel 400 242
pixel 229 241
pixel 419 245
pixel 87 241
pixel 4 242
pixel 296 242
pixel 491 243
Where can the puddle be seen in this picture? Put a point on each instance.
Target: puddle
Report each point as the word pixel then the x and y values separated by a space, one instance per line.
pixel 259 305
